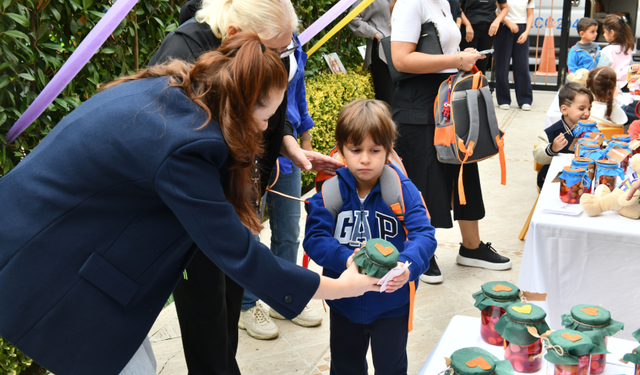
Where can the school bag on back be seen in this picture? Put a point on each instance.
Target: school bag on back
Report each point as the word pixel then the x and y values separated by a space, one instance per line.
pixel 390 189
pixel 466 125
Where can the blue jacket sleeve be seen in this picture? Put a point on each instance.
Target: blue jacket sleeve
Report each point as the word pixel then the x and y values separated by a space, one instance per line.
pixel 319 243
pixel 421 243
pixel 572 60
pixel 306 122
pixel 211 221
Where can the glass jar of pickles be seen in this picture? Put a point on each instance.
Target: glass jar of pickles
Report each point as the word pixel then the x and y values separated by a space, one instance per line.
pixel 492 300
pixel 583 127
pixel 595 137
pixel 572 183
pixel 570 351
pixel 607 173
pixel 591 151
pixel 585 318
pixel 634 146
pixel 621 138
pixel 625 146
pixel 590 166
pixel 476 361
pixel 523 349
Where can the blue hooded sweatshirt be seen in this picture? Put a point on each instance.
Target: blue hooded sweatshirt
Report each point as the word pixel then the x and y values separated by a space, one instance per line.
pixel 327 242
pixel 579 58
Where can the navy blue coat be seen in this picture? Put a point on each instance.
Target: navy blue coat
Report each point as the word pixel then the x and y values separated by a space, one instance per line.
pixel 99 221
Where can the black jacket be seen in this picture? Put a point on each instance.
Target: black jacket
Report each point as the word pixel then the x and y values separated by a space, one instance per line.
pixel 192 39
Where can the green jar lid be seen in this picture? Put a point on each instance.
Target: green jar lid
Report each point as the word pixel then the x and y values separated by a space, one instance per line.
pixel 591 317
pixel 520 317
pixel 477 361
pixel 496 293
pixel 566 345
pixel 634 356
pixel 377 257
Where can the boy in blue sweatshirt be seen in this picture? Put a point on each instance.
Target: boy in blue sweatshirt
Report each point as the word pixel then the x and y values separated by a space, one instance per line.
pixel 586 53
pixel 365 134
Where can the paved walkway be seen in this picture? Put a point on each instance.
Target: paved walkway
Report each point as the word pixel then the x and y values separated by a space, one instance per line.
pixel 306 350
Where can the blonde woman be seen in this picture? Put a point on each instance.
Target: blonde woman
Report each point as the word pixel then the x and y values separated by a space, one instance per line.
pixel 204 25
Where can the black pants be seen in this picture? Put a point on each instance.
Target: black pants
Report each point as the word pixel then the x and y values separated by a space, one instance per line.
pixel 350 342
pixel 208 305
pixel 481 41
pixel 508 50
pixel 382 83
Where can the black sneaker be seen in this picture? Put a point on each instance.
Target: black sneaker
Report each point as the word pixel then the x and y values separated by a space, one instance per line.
pixel 433 275
pixel 485 256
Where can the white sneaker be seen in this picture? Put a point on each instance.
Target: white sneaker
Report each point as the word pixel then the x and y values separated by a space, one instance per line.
pixel 506 107
pixel 526 107
pixel 307 318
pixel 257 324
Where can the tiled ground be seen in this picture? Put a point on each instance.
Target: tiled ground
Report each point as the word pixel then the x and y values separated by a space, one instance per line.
pixel 306 350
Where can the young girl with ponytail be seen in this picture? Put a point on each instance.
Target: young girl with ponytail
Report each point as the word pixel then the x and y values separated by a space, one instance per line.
pixel 617 54
pixel 602 83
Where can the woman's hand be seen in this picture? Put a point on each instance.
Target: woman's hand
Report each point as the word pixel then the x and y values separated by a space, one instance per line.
pixel 398 281
pixel 469 59
pixel 493 29
pixel 523 37
pixel 349 284
pixel 469 36
pixel 377 36
pixel 512 26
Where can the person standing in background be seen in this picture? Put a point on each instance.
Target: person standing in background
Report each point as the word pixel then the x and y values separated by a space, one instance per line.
pixel 413 112
pixel 512 45
pixel 374 24
pixel 207 300
pixel 284 213
pixel 480 25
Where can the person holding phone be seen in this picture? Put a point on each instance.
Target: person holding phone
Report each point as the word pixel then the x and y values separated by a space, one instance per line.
pixel 480 24
pixel 413 112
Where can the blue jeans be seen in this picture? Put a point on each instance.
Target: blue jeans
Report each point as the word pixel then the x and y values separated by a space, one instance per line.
pixel 143 361
pixel 284 219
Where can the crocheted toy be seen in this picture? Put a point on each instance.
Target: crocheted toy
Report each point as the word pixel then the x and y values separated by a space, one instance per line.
pixel 604 199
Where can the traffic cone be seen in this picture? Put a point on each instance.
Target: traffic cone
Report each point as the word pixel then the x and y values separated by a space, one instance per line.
pixel 547 65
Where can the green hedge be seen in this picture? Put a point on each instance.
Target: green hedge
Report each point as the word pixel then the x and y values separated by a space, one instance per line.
pixel 326 95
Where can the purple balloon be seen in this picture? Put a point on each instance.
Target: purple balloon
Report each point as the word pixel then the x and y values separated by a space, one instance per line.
pixel 78 59
pixel 323 21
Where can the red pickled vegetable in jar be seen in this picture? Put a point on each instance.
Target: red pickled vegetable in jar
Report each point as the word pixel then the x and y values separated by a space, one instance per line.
pixel 489 317
pixel 571 193
pixel 598 361
pixel 523 358
pixel 582 368
pixel 637 370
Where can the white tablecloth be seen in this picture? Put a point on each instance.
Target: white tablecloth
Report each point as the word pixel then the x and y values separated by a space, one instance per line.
pixel 582 259
pixel 464 331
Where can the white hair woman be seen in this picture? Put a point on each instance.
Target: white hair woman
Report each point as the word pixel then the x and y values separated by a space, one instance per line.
pixel 204 24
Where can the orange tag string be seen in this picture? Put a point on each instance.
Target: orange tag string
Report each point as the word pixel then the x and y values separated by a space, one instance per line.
pixel 503 162
pixel 412 297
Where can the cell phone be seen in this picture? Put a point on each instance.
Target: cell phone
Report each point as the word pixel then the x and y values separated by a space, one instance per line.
pixel 485 52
